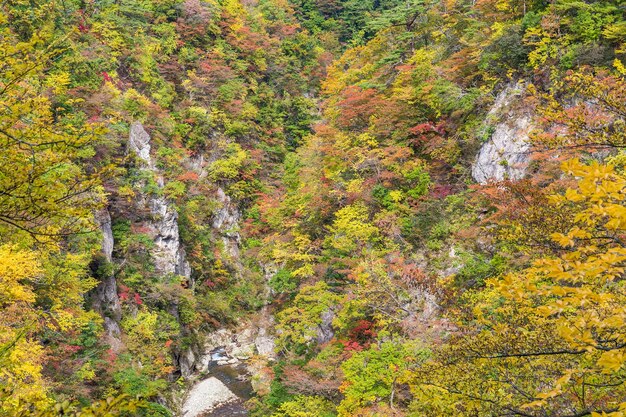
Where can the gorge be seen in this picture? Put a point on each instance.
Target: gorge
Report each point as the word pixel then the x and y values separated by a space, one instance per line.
pixel 312 208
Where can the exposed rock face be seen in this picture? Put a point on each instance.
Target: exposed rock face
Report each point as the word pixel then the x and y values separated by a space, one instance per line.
pixel 139 142
pixel 506 154
pixel 207 396
pixel 264 343
pixel 104 219
pixel 106 300
pixel 325 331
pixel 187 363
pixel 226 222
pixel 169 255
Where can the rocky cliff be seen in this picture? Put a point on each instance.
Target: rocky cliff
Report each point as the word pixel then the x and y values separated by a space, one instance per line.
pixel 106 300
pixel 162 223
pixel 505 155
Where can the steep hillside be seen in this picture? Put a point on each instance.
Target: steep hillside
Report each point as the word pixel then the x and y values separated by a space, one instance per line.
pixel 312 208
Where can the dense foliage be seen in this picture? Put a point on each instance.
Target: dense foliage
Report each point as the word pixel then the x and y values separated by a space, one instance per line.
pixel 335 139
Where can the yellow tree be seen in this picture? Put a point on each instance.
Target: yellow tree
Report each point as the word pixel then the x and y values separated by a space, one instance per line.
pixel 45 195
pixel 43 190
pixel 549 340
pixel 20 358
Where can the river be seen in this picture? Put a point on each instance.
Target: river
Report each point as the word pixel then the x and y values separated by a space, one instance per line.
pixel 222 393
pixel 237 380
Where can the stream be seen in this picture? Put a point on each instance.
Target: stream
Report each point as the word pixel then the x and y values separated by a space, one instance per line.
pixel 237 380
pixel 222 393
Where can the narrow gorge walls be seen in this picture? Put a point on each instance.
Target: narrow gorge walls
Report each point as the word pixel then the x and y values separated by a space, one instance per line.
pixel 162 224
pixel 106 301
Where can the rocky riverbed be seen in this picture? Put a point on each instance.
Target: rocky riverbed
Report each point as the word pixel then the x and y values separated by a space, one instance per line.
pixel 222 392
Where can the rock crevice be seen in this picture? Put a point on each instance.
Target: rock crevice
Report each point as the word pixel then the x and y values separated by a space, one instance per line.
pixel 106 300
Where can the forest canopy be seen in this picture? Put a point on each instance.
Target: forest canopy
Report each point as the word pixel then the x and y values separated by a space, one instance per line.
pixel 370 207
